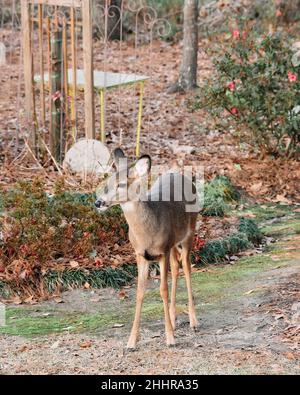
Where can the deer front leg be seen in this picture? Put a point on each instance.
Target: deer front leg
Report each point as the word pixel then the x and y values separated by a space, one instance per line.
pixel 143 271
pixel 164 264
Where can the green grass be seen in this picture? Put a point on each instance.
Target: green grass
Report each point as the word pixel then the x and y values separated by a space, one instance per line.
pixel 209 287
pixel 285 228
pixel 265 212
pixel 25 322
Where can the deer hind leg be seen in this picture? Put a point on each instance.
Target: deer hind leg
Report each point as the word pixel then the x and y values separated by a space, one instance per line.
pixel 186 264
pixel 164 264
pixel 174 259
pixel 143 271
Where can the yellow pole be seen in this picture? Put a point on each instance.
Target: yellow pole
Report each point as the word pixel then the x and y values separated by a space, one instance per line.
pixel 102 119
pixel 139 126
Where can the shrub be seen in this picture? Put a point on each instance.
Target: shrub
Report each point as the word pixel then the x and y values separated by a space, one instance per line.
pixel 40 232
pixel 217 194
pixel 216 251
pixel 256 82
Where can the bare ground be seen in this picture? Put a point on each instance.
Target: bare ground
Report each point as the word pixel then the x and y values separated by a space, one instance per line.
pixel 251 327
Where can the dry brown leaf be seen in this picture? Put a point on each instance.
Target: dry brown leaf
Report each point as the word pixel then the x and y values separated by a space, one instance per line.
pixel 86 344
pixel 16 300
pixel 290 356
pixel 256 187
pixel 74 264
pixel 123 295
pixel 58 300
pixel 30 300
pixel 282 199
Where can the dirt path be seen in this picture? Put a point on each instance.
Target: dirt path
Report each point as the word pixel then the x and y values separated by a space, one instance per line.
pixel 249 323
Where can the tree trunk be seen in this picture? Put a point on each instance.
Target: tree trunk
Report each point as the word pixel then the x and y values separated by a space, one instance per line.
pixel 188 72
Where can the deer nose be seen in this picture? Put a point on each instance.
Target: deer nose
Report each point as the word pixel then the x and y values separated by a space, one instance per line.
pixel 99 203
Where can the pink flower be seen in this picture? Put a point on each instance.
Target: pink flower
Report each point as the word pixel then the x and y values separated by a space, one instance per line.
pixel 231 86
pixel 292 77
pixel 278 13
pixel 236 34
pixel 234 111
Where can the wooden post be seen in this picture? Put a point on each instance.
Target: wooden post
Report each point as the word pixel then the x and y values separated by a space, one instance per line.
pixel 88 69
pixel 74 71
pixel 56 89
pixel 41 48
pixel 48 32
pixel 65 62
pixel 28 73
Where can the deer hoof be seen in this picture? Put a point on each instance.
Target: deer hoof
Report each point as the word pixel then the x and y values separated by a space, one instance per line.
pixel 131 349
pixel 173 345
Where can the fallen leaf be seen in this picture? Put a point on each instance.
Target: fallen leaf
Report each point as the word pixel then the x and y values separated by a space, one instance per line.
pixel 87 285
pixel 58 300
pixel 256 187
pixel 250 215
pixel 74 264
pixel 17 300
pixel 282 199
pixel 55 345
pixel 30 300
pixel 95 300
pixel 122 294
pixel 154 335
pixel 118 325
pixel 275 258
pixel 86 344
pixel 251 291
pixel 290 356
pixel 279 317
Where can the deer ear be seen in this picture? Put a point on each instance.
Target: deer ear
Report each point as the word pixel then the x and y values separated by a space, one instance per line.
pixel 118 158
pixel 143 166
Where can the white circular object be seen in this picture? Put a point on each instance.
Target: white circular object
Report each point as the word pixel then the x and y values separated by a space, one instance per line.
pixel 88 156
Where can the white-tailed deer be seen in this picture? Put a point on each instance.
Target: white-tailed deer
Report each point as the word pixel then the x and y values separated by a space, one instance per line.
pixel 161 228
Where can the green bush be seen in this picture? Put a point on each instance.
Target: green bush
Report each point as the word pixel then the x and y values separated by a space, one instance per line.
pixel 217 194
pixel 41 231
pixel 256 82
pixel 216 251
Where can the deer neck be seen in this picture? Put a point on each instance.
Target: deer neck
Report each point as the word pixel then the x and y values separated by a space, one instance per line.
pixel 136 213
